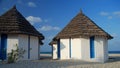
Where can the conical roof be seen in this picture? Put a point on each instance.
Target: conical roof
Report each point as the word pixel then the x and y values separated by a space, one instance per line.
pixel 12 22
pixel 81 26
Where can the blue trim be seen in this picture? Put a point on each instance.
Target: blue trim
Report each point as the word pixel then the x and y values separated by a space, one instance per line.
pixel 70 47
pixel 3 50
pixel 58 48
pixel 28 46
pixel 92 52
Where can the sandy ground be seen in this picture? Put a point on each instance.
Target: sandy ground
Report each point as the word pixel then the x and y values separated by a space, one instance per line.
pixel 47 62
pixel 45 56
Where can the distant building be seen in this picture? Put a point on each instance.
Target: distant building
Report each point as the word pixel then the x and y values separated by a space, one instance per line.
pixel 81 39
pixel 15 29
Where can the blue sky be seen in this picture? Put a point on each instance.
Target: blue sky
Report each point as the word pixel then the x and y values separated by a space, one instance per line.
pixel 50 16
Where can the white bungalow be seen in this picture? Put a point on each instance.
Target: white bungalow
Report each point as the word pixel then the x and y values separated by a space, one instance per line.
pixel 81 39
pixel 15 29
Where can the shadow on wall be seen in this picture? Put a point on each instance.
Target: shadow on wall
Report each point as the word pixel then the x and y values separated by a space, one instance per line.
pixel 99 41
pixel 54 48
pixel 100 54
pixel 62 46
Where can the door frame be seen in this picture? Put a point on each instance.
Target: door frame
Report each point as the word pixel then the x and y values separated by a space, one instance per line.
pixel 3 47
pixel 92 47
pixel 58 49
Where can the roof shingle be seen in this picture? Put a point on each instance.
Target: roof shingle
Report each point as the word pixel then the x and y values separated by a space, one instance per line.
pixel 12 22
pixel 81 26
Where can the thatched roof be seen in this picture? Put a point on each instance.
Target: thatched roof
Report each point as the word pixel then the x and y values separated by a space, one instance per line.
pixel 12 22
pixel 81 26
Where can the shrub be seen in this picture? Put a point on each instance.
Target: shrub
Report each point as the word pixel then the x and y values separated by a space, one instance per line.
pixel 15 54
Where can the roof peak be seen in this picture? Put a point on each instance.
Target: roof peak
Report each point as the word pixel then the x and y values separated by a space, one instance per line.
pixel 14 7
pixel 13 22
pixel 81 11
pixel 12 12
pixel 81 26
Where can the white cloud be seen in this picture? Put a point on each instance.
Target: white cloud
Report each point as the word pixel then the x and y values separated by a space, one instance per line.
pixel 115 35
pixel 50 37
pixel 48 28
pixel 110 17
pixel 116 13
pixel 31 4
pixel 46 20
pixel 104 13
pixel 33 19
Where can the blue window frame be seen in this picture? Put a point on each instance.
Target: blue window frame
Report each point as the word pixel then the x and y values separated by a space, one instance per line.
pixel 58 48
pixel 92 52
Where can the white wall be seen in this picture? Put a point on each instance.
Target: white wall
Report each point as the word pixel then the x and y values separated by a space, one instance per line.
pixel 34 48
pixel 64 47
pixel 85 48
pixel 100 46
pixel 12 40
pixel 106 49
pixel 55 51
pixel 101 54
pixel 80 49
pixel 23 43
pixel 75 48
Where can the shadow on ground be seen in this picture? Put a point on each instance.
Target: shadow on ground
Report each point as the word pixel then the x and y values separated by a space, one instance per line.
pixel 47 62
pixel 113 59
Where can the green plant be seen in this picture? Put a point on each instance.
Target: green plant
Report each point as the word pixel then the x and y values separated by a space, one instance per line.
pixel 15 54
pixel 11 56
pixel 3 52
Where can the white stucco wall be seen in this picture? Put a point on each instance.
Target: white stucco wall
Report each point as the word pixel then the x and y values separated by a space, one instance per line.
pixel 34 47
pixel 55 51
pixel 75 48
pixel 85 48
pixel 80 49
pixel 106 50
pixel 64 46
pixel 12 41
pixel 23 43
pixel 99 49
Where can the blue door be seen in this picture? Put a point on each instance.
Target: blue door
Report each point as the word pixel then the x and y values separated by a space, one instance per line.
pixel 58 48
pixel 92 53
pixel 3 46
